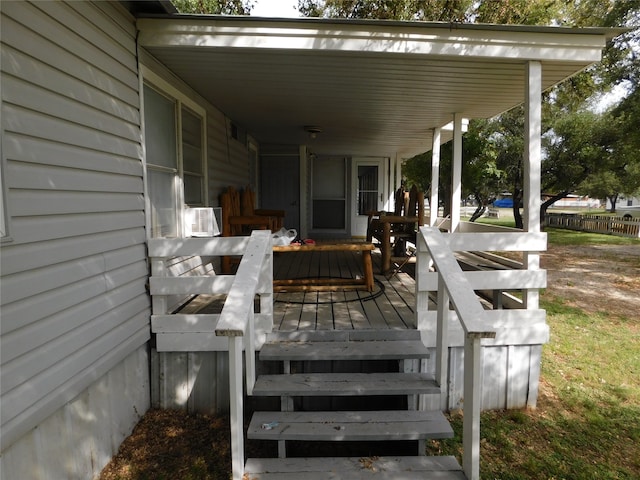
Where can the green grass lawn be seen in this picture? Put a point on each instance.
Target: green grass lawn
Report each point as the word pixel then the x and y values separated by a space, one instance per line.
pixel 587 424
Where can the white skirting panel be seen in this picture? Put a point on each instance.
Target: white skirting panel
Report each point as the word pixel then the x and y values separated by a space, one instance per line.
pixel 510 375
pixel 79 439
pixel 192 381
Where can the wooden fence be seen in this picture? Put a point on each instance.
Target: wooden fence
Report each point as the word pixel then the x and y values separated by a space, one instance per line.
pixel 594 224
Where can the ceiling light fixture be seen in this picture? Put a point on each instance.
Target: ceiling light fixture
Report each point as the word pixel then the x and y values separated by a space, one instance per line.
pixel 312 130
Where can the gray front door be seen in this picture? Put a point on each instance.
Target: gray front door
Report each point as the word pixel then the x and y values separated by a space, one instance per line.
pixel 280 186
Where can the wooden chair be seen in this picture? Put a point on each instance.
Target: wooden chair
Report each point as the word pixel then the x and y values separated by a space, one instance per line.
pixel 239 218
pixel 393 229
pixel 276 217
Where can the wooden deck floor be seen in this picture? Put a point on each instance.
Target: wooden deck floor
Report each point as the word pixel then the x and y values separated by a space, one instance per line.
pixel 390 306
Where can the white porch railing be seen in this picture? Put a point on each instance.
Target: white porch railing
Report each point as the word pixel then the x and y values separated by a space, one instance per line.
pixel 234 327
pixel 468 318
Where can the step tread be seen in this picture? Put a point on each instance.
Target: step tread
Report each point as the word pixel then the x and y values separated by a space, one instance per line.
pixel 345 384
pixel 383 468
pixel 395 425
pixel 349 350
pixel 341 335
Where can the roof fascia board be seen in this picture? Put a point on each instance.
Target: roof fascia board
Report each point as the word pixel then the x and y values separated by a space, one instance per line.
pixel 509 44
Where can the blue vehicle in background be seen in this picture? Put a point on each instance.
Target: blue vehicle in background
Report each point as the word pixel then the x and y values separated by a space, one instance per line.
pixel 503 203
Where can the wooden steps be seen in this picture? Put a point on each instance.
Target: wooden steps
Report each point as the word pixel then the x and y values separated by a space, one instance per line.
pixel 350 350
pixel 386 425
pixel 343 384
pixel 354 468
pixel 316 352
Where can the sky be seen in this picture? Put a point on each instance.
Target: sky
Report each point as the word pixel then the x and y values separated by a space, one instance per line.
pixel 275 8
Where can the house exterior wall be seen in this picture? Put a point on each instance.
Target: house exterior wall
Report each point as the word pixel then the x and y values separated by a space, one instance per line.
pixel 74 307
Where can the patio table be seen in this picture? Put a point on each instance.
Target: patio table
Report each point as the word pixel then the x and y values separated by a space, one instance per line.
pixel 328 284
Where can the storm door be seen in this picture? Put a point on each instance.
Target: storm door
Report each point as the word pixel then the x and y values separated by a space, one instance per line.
pixel 367 193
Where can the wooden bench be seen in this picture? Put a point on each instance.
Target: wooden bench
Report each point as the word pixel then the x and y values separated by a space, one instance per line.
pixel 328 284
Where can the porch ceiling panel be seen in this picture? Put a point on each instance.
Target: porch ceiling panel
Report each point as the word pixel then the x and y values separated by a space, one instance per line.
pixel 375 88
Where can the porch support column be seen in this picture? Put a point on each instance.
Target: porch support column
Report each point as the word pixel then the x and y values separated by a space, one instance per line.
pixel 532 168
pixel 304 219
pixel 435 177
pixel 456 172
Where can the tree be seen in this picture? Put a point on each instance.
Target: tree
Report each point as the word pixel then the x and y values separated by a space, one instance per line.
pixel 481 175
pixel 433 10
pixel 581 146
pixel 221 7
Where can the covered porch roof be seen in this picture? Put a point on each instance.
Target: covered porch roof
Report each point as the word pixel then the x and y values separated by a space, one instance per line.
pixel 375 88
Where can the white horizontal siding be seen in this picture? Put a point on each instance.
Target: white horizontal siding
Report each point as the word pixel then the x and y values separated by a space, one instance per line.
pixel 74 300
pixel 53 36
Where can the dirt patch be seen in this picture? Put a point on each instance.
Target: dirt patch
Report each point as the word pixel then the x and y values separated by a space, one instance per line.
pixel 170 444
pixel 595 278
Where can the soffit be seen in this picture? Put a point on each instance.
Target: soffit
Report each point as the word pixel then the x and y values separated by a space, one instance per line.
pixel 375 88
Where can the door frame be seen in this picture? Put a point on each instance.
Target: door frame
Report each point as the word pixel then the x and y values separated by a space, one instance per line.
pixel 358 223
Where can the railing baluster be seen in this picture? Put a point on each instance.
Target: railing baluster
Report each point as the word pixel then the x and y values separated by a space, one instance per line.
pixel 250 353
pixel 472 399
pixel 442 343
pixel 236 412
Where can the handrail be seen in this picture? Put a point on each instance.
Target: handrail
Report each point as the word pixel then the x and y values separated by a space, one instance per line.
pixel 234 319
pixel 237 321
pixel 455 281
pixel 454 288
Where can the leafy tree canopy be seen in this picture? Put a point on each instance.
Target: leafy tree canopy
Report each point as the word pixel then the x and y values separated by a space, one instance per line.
pixel 220 7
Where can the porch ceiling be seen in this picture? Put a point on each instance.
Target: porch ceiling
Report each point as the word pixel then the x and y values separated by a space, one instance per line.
pixel 374 88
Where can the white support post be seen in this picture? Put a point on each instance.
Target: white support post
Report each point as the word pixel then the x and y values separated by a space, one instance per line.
pixel 304 220
pixel 435 177
pixel 472 398
pixel 456 172
pixel 158 302
pixel 250 353
pixel 266 289
pixel 532 169
pixel 423 263
pixel 398 175
pixel 442 343
pixel 236 407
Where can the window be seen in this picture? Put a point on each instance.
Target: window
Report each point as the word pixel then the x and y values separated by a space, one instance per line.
pixel 175 152
pixel 192 155
pixel 367 189
pixel 329 194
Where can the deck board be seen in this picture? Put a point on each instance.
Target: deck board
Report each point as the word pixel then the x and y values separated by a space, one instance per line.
pixel 389 306
pixel 382 468
pixel 386 425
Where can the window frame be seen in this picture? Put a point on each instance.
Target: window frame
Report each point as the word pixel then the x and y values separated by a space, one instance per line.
pixel 149 79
